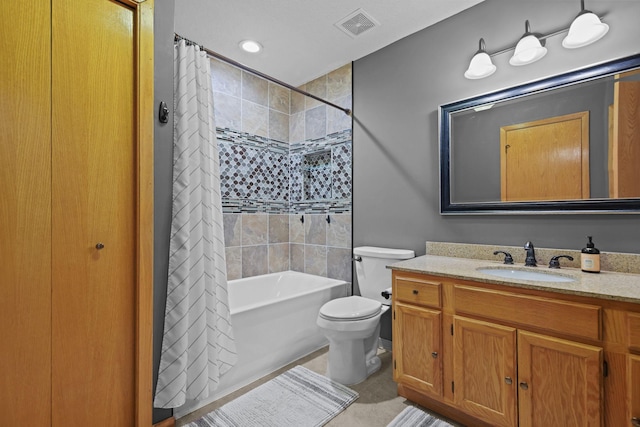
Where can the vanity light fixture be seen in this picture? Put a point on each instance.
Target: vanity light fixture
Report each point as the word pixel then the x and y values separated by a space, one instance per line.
pixel 250 46
pixel 481 65
pixel 585 29
pixel 529 48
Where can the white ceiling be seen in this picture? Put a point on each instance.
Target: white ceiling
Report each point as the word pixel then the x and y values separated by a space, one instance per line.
pixel 299 37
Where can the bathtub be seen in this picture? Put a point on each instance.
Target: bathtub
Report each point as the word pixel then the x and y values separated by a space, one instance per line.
pixel 274 323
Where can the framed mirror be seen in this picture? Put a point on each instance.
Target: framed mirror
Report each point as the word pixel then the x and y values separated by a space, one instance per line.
pixel 566 144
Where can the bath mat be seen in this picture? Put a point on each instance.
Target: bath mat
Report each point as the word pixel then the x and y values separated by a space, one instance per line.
pixel 414 417
pixel 296 398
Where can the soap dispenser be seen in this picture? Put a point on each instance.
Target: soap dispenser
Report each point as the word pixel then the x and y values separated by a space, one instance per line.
pixel 590 258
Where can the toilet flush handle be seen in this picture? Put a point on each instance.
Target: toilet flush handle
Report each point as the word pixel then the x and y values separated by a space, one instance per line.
pixel 357 258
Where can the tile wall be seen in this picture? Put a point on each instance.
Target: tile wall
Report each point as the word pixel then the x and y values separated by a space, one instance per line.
pixel 285 168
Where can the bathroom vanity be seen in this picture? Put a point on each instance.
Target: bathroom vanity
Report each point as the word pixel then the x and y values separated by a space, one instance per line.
pixel 489 350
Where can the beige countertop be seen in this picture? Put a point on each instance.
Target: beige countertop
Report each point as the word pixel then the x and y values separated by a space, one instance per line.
pixel 605 285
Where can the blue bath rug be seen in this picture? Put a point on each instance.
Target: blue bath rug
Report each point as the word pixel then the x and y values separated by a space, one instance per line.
pixel 415 417
pixel 296 398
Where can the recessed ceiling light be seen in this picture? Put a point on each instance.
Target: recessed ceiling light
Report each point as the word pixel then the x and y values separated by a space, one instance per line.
pixel 250 46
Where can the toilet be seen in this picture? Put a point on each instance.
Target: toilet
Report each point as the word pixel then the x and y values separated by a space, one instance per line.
pixel 352 324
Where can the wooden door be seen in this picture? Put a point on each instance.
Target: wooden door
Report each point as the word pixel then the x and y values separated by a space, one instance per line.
pixel 484 359
pixel 25 207
pixel 94 203
pixel 546 159
pixel 560 382
pixel 634 385
pixel 416 348
pixel 624 143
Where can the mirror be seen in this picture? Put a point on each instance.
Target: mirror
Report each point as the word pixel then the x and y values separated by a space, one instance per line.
pixel 567 144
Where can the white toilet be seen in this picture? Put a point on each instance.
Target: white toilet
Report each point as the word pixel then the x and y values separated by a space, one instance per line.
pixel 352 324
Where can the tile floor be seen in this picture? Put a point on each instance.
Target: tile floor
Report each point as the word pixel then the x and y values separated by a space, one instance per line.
pixel 377 405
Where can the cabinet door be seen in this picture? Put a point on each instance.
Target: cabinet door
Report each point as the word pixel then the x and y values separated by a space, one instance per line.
pixel 634 384
pixel 416 348
pixel 484 371
pixel 560 382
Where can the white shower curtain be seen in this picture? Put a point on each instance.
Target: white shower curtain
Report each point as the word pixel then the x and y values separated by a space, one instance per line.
pixel 197 345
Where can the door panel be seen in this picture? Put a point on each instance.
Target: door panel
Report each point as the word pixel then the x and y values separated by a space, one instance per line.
pixel 484 359
pixel 546 159
pixel 25 213
pixel 563 382
pixel 634 385
pixel 417 344
pixel 94 193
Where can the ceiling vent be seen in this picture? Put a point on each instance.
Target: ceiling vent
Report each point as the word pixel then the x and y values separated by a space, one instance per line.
pixel 356 23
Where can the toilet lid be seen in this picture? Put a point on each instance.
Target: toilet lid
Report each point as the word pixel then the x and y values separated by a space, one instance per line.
pixel 350 308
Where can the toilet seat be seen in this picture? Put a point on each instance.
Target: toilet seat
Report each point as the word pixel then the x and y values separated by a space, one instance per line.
pixel 350 309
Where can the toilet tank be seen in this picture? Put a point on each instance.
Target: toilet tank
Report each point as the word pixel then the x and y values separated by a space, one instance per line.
pixel 372 272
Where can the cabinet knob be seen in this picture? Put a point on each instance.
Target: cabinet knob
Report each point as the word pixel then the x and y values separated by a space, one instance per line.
pixel 524 386
pixel 635 422
pixel 508 380
pixel 415 292
pixel 99 246
pixel 434 354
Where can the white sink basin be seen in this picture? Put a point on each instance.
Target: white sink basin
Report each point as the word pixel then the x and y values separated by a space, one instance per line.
pixel 512 273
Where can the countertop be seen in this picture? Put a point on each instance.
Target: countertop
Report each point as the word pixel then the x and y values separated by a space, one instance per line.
pixel 605 285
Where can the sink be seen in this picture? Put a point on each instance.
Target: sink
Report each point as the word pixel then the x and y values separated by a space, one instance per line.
pixel 512 273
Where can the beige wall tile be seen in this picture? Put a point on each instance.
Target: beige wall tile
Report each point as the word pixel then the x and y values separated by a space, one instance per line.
pixel 337 120
pixel 297 102
pixel 255 260
pixel 279 98
pixel 339 83
pixel 315 229
pixel 317 87
pixel 315 260
pixel 234 263
pixel 279 228
pixel 227 111
pixel 255 89
pixel 278 126
pixel 296 229
pixel 315 123
pixel 232 224
pixel 226 78
pixel 339 264
pixel 296 127
pixel 339 231
pixel 278 257
pixel 296 257
pixel 255 119
pixel 255 229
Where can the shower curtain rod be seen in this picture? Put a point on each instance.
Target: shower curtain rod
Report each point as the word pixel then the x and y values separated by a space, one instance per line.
pixel 258 73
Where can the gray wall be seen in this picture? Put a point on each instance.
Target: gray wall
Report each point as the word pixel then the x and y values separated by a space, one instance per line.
pixel 397 91
pixel 163 161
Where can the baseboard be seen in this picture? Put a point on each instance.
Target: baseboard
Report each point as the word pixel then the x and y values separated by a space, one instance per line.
pixel 169 422
pixel 386 344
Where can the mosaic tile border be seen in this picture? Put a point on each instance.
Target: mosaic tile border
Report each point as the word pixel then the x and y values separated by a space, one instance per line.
pixel 274 182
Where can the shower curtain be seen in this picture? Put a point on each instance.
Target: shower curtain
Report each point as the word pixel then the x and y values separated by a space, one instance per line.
pixel 197 345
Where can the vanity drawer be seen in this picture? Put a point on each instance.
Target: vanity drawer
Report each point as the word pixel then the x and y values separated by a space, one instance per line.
pixel 633 330
pixel 576 319
pixel 417 291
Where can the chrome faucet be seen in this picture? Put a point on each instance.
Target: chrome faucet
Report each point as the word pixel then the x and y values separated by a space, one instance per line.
pixel 530 260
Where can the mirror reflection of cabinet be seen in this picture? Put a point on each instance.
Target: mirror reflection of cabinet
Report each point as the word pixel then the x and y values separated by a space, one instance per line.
pixel 624 138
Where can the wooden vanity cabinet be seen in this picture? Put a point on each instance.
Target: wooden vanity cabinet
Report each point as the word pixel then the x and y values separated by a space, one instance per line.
pixel 511 357
pixel 416 314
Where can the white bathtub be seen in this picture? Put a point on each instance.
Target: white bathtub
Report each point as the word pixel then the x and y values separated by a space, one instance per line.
pixel 274 323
